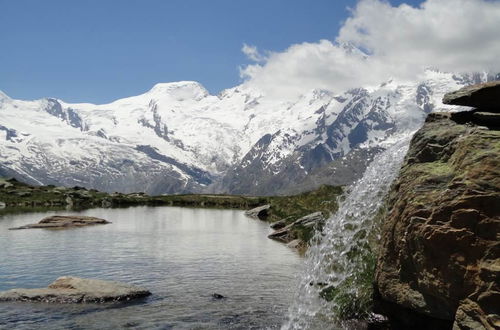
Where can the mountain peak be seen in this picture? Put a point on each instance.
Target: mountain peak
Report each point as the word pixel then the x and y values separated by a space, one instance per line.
pixel 180 90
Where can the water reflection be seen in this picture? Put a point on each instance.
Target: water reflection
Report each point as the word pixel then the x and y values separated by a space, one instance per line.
pixel 182 255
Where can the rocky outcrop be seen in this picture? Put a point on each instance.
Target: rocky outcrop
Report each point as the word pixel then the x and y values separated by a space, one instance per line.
pixel 260 212
pixel 67 289
pixel 484 96
pixel 63 222
pixel 288 233
pixel 439 263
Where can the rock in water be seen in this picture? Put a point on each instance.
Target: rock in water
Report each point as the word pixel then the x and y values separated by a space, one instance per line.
pixel 439 259
pixel 67 289
pixel 484 96
pixel 64 221
pixel 261 212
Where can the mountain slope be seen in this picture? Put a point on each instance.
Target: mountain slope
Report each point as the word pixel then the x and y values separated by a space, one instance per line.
pixel 178 138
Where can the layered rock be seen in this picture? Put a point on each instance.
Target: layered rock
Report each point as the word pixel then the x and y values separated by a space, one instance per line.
pixel 63 221
pixel 288 233
pixel 69 289
pixel 439 263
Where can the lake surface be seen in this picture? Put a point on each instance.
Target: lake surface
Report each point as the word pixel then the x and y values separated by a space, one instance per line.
pixel 181 255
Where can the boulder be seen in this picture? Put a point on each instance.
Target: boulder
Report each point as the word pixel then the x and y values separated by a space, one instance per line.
pixel 261 212
pixel 67 289
pixel 62 222
pixel 439 258
pixel 483 96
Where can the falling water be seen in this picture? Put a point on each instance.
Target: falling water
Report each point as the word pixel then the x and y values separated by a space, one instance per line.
pixel 339 252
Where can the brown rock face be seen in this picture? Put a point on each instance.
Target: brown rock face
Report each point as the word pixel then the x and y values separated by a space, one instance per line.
pixel 484 96
pixel 440 247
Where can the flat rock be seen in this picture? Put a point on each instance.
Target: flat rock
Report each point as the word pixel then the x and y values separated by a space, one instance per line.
pixel 64 221
pixel 483 96
pixel 68 290
pixel 260 212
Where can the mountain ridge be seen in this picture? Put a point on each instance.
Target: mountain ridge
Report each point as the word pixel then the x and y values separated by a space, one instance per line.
pixel 177 138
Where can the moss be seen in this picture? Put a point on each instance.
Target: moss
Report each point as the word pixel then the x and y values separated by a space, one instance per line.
pixel 353 298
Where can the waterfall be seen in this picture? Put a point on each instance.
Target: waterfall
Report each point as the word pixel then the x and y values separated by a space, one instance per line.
pixel 340 254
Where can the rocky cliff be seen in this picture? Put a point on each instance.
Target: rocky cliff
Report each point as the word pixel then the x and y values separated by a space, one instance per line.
pixel 439 262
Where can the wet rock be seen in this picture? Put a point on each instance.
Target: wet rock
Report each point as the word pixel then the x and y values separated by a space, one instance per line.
pixel 296 244
pixel 261 212
pixel 67 289
pixel 482 96
pixel 62 222
pixel 439 259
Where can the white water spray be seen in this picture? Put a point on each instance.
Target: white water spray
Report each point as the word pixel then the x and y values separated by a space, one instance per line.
pixel 337 252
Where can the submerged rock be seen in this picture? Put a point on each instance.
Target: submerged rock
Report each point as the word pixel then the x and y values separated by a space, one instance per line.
pixel 261 212
pixel 439 260
pixel 217 296
pixel 67 290
pixel 63 221
pixel 484 96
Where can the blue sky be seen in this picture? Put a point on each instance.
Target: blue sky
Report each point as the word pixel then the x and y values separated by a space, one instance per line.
pixel 97 50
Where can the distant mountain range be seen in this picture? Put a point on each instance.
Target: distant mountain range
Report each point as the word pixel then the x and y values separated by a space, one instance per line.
pixel 177 138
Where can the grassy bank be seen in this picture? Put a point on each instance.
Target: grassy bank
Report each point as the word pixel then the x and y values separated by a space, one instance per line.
pixel 17 195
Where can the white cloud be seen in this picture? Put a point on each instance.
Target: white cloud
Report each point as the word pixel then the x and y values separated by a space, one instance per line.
pixel 253 53
pixel 451 35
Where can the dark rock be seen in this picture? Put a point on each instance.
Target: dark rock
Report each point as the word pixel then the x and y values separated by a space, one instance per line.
pixel 69 289
pixel 482 96
pixel 278 224
pixel 62 222
pixel 439 259
pixel 217 296
pixel 489 119
pixel 261 212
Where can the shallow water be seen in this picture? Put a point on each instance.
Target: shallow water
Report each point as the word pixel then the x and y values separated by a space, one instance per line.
pixel 182 255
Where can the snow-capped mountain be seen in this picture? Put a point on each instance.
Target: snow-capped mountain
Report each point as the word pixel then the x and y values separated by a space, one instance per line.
pixel 178 138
